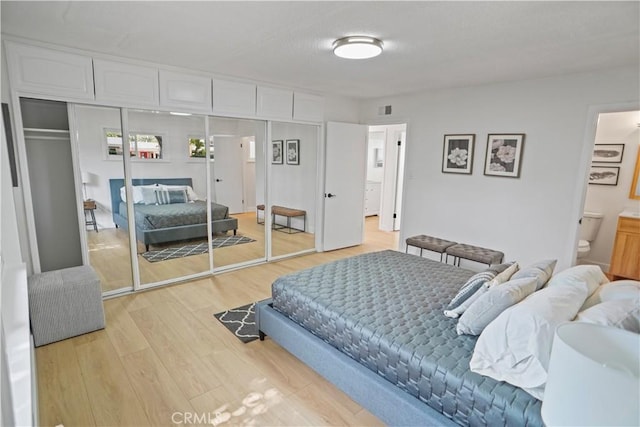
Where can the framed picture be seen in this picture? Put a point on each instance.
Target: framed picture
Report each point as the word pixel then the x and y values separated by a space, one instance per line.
pixel 293 151
pixel 607 153
pixel 276 150
pixel 504 154
pixel 604 175
pixel 457 154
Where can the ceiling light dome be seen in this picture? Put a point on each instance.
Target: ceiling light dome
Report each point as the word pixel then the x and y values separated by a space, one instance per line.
pixel 357 47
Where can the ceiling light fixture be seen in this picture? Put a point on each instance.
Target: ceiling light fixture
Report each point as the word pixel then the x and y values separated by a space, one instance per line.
pixel 175 113
pixel 357 47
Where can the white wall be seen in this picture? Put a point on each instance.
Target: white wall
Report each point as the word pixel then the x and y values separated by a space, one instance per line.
pixel 613 128
pixel 341 109
pixel 529 218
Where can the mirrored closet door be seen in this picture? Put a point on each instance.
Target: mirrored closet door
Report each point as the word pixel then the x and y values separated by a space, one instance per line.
pixel 101 167
pixel 238 187
pixel 293 187
pixel 169 190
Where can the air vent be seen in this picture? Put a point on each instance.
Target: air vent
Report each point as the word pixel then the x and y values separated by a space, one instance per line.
pixel 384 110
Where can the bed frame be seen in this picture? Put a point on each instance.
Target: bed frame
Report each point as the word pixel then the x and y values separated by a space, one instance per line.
pixel 383 399
pixel 169 234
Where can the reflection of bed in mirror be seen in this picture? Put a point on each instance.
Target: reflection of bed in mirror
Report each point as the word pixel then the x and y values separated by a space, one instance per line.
pixel 165 212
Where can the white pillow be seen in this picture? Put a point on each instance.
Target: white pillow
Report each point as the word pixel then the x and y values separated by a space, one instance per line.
pixel 619 289
pixel 592 275
pixel 138 196
pixel 620 313
pixel 516 346
pixel 504 276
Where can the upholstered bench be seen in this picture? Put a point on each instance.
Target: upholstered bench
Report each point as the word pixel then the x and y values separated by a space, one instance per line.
pixel 474 253
pixel 64 303
pixel 287 213
pixel 429 243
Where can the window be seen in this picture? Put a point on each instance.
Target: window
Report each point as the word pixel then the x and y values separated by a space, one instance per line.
pixel 141 145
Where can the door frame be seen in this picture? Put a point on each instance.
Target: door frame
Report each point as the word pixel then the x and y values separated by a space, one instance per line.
pixel 580 195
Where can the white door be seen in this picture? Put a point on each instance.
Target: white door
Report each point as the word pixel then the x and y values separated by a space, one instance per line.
pixel 345 172
pixel 227 173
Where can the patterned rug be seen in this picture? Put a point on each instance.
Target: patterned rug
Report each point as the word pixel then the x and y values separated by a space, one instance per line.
pixel 241 321
pixel 193 249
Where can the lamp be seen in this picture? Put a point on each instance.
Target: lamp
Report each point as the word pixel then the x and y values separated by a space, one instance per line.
pixel 86 179
pixel 357 47
pixel 594 377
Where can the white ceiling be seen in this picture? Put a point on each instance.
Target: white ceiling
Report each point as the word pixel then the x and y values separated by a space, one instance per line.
pixel 428 45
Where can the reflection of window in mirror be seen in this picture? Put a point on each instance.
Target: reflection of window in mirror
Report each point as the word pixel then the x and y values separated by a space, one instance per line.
pixel 141 145
pixel 377 158
pixel 197 149
pixel 634 193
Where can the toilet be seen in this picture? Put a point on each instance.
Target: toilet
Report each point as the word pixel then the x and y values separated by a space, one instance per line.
pixel 588 231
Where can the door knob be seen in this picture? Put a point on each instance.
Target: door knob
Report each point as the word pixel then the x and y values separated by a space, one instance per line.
pixel 218 180
pixel 329 195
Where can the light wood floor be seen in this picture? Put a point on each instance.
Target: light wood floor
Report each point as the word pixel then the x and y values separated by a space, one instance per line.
pixel 109 254
pixel 164 357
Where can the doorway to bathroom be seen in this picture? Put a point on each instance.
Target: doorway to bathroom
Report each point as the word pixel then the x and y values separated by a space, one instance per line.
pixel 385 172
pixel 608 184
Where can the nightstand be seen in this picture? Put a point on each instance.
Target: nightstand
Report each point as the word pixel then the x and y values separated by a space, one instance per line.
pixel 90 207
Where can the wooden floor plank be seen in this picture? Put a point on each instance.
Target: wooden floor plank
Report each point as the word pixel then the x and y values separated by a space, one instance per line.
pixel 62 393
pixel 110 393
pixel 160 396
pixel 124 333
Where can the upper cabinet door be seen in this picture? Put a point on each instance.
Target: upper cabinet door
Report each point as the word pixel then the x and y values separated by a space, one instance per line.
pixel 126 84
pixel 185 91
pixel 49 72
pixel 307 107
pixel 275 103
pixel 232 97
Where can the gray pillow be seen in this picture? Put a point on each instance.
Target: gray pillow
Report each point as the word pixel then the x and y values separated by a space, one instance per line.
pixel 490 304
pixel 541 270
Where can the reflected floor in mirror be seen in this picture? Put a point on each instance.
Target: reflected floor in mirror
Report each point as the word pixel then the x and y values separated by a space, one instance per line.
pixel 109 253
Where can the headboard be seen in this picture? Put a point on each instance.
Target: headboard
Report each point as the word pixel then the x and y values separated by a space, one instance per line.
pixel 116 183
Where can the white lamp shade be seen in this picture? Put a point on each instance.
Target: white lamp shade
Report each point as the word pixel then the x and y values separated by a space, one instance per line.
pixel 86 177
pixel 594 377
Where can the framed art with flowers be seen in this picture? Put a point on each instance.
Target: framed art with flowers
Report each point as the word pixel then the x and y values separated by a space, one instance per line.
pixel 457 154
pixel 504 154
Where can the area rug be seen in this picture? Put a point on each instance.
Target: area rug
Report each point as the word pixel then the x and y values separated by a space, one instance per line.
pixel 241 321
pixel 194 249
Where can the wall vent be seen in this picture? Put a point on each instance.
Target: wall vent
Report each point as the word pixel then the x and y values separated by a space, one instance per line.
pixel 384 110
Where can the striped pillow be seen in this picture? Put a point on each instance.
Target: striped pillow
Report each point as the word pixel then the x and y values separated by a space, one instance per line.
pixel 472 286
pixel 166 197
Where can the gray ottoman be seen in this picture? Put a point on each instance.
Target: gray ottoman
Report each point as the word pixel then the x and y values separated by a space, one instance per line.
pixel 64 303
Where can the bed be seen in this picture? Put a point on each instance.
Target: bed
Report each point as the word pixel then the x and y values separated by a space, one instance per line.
pixel 374 326
pixel 165 223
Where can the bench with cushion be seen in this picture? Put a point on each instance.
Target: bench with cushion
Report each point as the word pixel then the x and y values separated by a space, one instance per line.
pixel 287 213
pixel 429 243
pixel 474 253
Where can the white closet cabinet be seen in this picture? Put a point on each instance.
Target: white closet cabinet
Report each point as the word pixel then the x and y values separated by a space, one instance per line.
pixel 50 72
pixel 234 98
pixel 372 198
pixel 307 107
pixel 126 84
pixel 185 91
pixel 275 103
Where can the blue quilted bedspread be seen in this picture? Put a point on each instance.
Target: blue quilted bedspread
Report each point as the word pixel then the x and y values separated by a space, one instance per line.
pixel 385 310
